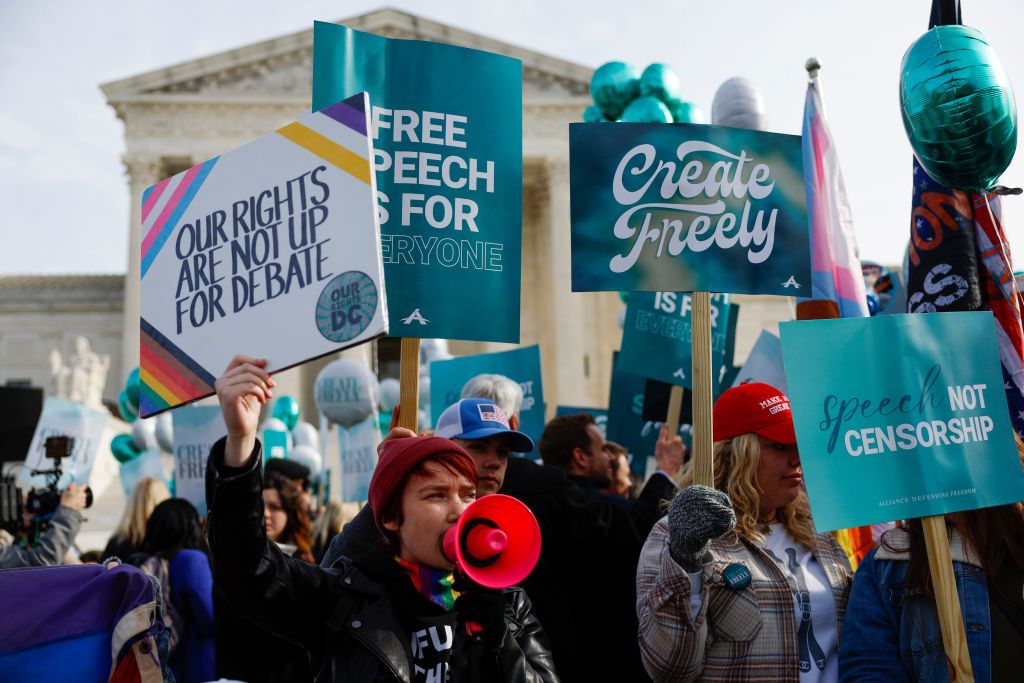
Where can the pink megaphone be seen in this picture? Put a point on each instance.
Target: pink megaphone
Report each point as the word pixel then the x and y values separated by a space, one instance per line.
pixel 496 541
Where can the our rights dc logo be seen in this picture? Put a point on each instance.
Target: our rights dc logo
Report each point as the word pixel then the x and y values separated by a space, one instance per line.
pixel 346 306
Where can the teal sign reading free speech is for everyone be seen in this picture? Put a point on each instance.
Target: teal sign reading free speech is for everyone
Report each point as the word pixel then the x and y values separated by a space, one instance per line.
pixel 448 129
pixel 682 207
pixel 886 436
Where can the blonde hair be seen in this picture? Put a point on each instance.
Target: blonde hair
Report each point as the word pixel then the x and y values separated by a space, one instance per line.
pixel 736 475
pixel 147 494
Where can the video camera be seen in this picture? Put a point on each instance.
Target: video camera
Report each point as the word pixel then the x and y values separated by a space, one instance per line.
pixel 41 502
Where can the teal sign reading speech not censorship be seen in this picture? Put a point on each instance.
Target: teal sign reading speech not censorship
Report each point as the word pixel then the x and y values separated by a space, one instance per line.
pixel 684 207
pixel 656 337
pixel 448 130
pixel 447 377
pixel 886 436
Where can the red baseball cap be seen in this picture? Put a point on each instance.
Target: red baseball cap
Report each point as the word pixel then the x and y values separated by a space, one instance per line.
pixel 399 457
pixel 754 407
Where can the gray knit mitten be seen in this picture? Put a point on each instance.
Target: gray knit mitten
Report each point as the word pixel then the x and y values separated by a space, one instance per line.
pixel 697 515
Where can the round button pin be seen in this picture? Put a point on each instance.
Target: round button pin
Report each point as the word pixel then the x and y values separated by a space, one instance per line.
pixel 736 576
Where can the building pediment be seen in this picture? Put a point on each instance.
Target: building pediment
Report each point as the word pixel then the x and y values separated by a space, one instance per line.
pixel 281 68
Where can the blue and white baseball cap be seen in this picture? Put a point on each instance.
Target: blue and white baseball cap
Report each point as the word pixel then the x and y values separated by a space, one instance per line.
pixel 479 418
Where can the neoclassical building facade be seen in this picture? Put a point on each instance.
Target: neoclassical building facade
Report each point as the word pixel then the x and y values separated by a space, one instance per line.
pixel 183 114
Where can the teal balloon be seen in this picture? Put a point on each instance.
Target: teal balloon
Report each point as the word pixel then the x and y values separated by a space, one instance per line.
pixel 647 109
pixel 128 411
pixel 133 385
pixel 661 81
pixel 592 114
pixel 123 447
pixel 958 108
pixel 286 409
pixel 686 112
pixel 613 86
pixel 385 421
pixel 624 297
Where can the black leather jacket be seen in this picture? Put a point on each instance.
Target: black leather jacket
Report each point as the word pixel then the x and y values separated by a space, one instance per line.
pixel 344 618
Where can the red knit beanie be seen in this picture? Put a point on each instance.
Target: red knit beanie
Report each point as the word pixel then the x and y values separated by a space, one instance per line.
pixel 399 457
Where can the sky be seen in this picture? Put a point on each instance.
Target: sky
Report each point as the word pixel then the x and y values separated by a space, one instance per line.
pixel 65 194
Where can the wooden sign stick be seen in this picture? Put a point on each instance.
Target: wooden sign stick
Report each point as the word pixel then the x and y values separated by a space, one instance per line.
pixel 947 601
pixel 701 379
pixel 409 384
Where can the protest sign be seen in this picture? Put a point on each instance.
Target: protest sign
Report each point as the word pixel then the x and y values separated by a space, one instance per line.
pixel 683 207
pixel 447 377
pixel 600 416
pixel 64 418
pixel 886 436
pixel 358 459
pixel 764 363
pixel 196 429
pixel 626 424
pixel 272 247
pixel 447 125
pixel 656 336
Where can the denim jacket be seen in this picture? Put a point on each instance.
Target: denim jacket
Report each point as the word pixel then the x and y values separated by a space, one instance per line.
pixel 891 632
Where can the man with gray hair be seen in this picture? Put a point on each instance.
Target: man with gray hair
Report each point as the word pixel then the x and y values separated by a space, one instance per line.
pixel 498 388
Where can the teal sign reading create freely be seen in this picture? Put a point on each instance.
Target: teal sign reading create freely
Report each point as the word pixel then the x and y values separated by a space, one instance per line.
pixel 684 207
pixel 886 436
pixel 447 136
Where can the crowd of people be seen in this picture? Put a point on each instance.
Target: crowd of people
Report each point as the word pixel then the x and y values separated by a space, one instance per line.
pixel 663 580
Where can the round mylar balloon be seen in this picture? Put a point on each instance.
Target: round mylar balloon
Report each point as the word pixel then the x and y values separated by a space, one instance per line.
pixel 125 407
pixel 390 390
pixel 738 104
pixel 613 86
pixel 958 108
pixel 286 409
pixel 686 112
pixel 165 432
pixel 132 386
pixel 346 392
pixel 308 456
pixel 647 110
pixel 123 448
pixel 144 434
pixel 592 114
pixel 305 434
pixel 661 81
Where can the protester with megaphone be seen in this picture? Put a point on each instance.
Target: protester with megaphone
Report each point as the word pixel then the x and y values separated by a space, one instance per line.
pixel 358 619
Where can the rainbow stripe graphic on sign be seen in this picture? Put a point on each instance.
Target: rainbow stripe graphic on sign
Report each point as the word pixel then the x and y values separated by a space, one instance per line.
pixel 164 204
pixel 169 377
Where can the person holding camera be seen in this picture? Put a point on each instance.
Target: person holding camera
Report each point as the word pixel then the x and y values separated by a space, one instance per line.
pixel 54 542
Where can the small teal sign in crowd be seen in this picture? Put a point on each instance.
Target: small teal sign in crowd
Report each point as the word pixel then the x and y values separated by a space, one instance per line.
pixel 447 377
pixel 449 172
pixel 656 337
pixel 683 207
pixel 886 436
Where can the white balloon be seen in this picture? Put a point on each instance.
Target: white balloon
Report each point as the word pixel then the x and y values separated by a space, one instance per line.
pixel 738 103
pixel 165 432
pixel 620 318
pixel 308 456
pixel 144 434
pixel 346 392
pixel 274 425
pixel 305 434
pixel 433 349
pixel 390 391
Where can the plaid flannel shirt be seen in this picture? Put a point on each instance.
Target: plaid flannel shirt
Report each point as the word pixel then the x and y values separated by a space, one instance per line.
pixel 737 635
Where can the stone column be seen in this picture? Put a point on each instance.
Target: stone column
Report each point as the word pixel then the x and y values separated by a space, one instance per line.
pixel 142 171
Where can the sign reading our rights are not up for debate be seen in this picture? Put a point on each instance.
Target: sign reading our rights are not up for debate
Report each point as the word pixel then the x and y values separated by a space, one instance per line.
pixel 683 207
pixel 886 436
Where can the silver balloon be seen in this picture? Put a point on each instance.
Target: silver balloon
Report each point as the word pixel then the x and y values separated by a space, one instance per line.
pixel 144 434
pixel 308 456
pixel 738 104
pixel 390 390
pixel 305 434
pixel 165 432
pixel 346 392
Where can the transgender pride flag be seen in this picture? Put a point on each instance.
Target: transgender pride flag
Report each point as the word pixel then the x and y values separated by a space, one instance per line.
pixel 837 284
